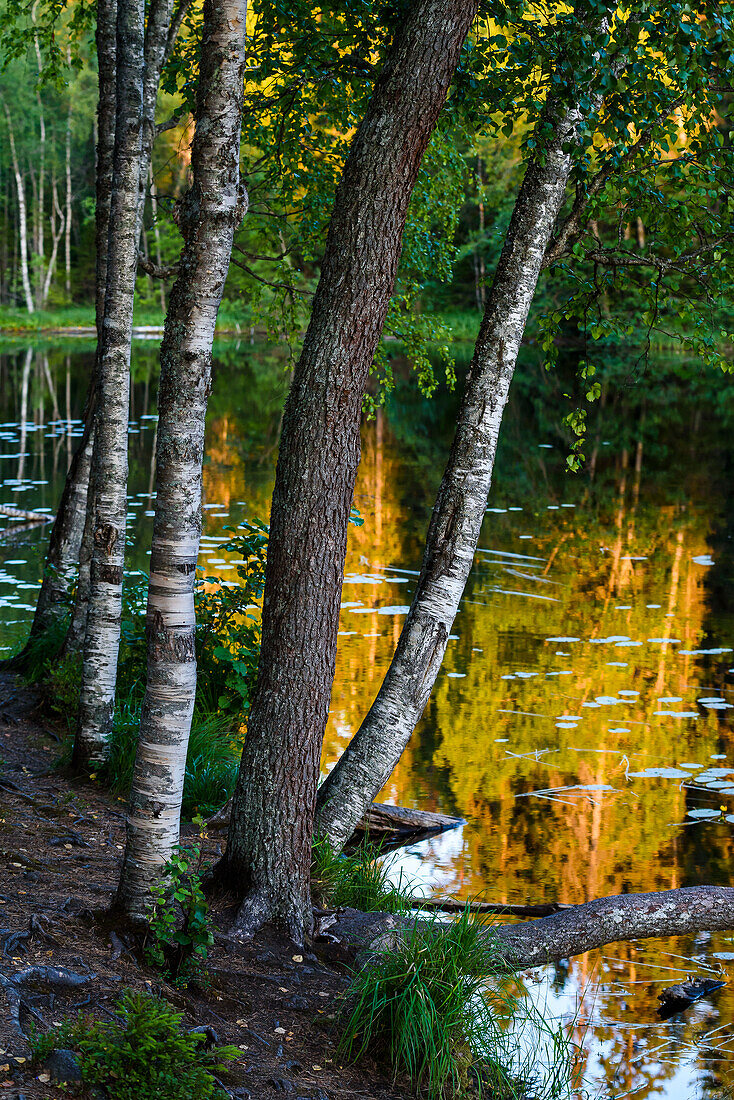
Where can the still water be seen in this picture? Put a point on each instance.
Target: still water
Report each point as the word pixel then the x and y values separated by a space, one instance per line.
pixel 581 722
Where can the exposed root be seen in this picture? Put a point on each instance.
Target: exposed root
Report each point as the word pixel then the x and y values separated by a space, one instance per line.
pixel 14 942
pixel 55 976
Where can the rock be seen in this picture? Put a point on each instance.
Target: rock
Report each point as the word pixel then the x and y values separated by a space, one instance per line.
pixel 300 1004
pixel 63 1065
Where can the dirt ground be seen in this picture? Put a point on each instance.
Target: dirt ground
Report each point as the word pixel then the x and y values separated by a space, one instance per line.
pixel 61 843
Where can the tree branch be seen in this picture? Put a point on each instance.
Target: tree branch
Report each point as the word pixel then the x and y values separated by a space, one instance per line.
pixel 573 226
pixel 157 272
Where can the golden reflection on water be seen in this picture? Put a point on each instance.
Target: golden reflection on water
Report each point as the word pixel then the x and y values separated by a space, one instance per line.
pixel 565 727
pixel 575 724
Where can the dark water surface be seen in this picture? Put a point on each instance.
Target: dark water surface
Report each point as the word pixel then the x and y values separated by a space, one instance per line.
pixel 581 723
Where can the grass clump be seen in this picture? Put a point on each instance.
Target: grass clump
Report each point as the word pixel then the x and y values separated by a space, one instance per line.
pixel 357 880
pixel 144 1054
pixel 433 1009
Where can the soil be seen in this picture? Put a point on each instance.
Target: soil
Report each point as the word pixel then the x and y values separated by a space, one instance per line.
pixel 61 842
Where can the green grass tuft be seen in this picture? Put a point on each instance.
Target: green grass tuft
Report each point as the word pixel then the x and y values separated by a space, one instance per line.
pixel 356 881
pixel 433 1009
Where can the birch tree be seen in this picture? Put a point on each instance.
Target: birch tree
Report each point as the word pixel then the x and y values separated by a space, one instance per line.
pixel 109 455
pixel 268 851
pixel 207 217
pixel 453 534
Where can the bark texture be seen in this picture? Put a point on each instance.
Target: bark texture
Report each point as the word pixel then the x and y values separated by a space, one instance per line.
pixel 208 217
pixel 268 852
pixel 576 928
pixel 373 752
pixel 109 458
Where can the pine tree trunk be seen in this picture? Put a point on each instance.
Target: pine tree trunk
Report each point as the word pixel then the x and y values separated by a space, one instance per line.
pixel 269 848
pixel 109 456
pixel 209 214
pixel 373 752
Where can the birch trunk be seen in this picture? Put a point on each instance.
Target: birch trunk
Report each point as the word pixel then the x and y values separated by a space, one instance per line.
pixel 67 204
pixel 109 455
pixel 22 215
pixel 64 564
pixel 269 848
pixel 373 752
pixel 209 215
pixel 40 199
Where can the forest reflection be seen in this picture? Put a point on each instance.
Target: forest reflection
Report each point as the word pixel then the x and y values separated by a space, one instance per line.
pixel 580 723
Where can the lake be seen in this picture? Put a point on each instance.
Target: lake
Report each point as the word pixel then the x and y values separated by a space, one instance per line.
pixel 581 722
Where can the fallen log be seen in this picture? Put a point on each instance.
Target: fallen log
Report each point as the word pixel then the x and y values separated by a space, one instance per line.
pixel 390 827
pixel 27 517
pixel 572 931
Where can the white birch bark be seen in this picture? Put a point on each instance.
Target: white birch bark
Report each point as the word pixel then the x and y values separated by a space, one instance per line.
pixel 67 205
pixel 209 215
pixel 371 756
pixel 22 215
pixel 109 457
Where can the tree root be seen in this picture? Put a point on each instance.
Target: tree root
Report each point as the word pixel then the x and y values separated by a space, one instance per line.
pixel 18 941
pixel 55 976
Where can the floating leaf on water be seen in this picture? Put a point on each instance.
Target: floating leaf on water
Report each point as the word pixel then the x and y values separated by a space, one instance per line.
pixel 677 713
pixel 703 559
pixel 703 812
pixel 659 773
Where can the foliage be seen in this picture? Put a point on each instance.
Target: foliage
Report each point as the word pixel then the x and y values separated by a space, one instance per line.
pixel 422 1007
pixel 145 1054
pixel 179 929
pixel 142 1054
pixel 228 630
pixel 62 686
pixel 357 880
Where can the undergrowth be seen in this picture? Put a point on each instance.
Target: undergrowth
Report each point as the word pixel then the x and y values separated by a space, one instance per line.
pixel 357 880
pixel 434 1009
pixel 142 1054
pixel 227 651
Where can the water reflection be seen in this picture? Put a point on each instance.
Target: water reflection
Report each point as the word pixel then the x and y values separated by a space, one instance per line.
pixel 581 721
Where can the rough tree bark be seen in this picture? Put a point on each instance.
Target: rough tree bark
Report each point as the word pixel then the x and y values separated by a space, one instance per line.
pixel 373 752
pixel 268 851
pixel 208 216
pixel 109 456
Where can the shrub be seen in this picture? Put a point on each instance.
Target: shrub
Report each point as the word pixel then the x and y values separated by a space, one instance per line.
pixel 148 1055
pixel 179 929
pixel 357 880
pixel 425 1008
pixel 144 1056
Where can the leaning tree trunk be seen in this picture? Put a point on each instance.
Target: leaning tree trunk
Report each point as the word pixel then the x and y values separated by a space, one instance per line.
pixel 109 457
pixel 269 848
pixel 373 752
pixel 208 217
pixel 62 566
pixel 574 930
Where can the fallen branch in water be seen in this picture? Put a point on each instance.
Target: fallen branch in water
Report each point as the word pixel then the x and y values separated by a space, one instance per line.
pixel 456 905
pixel 20 513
